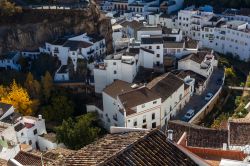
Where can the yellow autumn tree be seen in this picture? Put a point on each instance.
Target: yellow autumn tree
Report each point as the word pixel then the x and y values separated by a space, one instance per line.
pixel 19 98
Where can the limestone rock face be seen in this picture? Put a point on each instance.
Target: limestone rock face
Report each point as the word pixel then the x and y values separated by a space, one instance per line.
pixel 32 28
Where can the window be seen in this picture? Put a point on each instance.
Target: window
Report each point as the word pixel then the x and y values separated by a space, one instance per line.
pixel 143 105
pixel 114 71
pixel 30 142
pixel 154 102
pixel 135 122
pixel 2 138
pixel 150 47
pixel 35 131
pixel 180 97
pixel 153 116
pixel 154 125
pixel 170 108
pixel 128 121
pixel 21 134
pixel 157 55
pixel 157 47
pixel 144 119
pixel 144 126
pixel 114 63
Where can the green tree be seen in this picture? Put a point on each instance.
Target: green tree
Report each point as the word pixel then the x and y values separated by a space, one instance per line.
pixel 60 108
pixel 76 134
pixel 24 62
pixel 47 85
pixel 33 86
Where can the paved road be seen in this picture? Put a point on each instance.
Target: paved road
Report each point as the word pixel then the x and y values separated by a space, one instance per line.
pixel 197 101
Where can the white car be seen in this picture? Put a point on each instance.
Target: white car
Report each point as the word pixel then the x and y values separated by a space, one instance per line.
pixel 189 115
pixel 208 96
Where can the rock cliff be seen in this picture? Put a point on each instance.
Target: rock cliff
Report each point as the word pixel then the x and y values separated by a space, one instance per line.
pixel 32 28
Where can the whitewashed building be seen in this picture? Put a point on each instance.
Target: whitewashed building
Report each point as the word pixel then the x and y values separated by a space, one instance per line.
pixel 79 47
pixel 122 66
pixel 155 45
pixel 148 30
pixel 127 105
pixel 174 92
pixel 16 130
pixel 202 63
pixel 225 33
pixel 131 105
pixel 10 61
pixel 62 74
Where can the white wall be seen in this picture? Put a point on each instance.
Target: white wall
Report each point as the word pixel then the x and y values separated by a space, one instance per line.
pixel 7 154
pixel 45 144
pixel 140 33
pixel 110 108
pixel 146 111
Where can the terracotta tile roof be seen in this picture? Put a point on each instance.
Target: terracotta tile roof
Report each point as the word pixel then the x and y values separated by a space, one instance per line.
pixel 165 85
pixel 133 24
pixel 173 44
pixel 137 97
pixel 117 87
pixel 150 28
pixel 58 155
pixel 130 148
pixel 198 136
pixel 26 158
pixel 239 131
pixel 215 155
pixel 3 162
pixel 103 149
pixel 199 79
pixel 196 57
pixel 193 44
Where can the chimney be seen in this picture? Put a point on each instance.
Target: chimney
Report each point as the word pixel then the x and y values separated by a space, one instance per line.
pixel 170 135
pixel 39 117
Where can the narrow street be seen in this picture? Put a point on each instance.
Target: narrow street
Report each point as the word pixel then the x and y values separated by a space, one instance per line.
pixel 198 101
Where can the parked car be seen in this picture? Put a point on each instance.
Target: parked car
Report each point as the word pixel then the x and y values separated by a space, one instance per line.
pixel 208 96
pixel 188 115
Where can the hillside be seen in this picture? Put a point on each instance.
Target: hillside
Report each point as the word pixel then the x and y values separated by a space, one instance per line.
pixel 31 28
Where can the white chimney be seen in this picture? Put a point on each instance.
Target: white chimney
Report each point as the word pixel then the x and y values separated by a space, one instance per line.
pixel 40 117
pixel 224 146
pixel 170 135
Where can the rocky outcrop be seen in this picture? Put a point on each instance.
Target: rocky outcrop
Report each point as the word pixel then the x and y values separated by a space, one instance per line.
pixel 32 28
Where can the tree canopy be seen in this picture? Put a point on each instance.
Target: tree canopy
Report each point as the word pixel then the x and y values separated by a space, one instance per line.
pixel 77 133
pixel 8 9
pixel 60 108
pixel 19 98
